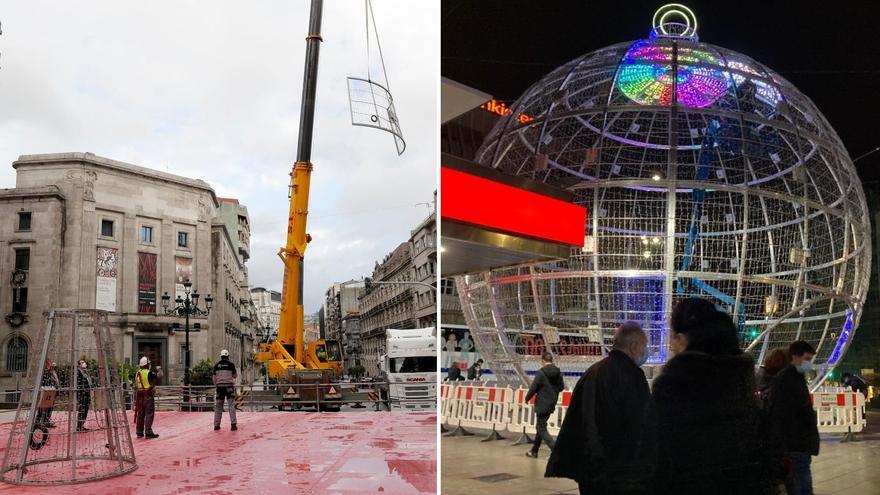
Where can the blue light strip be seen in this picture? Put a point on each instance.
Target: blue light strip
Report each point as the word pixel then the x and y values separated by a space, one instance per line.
pixel 842 340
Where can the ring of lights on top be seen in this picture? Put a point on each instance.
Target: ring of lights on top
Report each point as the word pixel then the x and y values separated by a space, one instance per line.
pixel 704 173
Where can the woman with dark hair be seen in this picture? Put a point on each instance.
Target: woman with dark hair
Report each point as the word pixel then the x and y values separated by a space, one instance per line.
pixel 773 364
pixel 710 431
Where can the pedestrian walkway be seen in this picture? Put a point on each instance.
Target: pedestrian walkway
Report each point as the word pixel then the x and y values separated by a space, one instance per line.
pixel 272 452
pixel 472 466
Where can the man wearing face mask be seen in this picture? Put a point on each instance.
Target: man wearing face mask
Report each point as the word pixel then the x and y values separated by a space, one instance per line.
pixel 604 443
pixel 792 413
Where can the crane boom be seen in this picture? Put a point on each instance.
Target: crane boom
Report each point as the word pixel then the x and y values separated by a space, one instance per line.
pixel 290 329
pixel 289 358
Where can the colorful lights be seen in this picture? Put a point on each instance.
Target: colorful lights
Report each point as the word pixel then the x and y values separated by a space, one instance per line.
pixel 763 91
pixel 645 76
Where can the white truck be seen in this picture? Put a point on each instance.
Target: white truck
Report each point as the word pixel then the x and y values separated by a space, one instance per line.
pixel 409 366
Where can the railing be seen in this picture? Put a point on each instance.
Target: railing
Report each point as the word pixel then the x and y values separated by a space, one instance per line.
pixel 261 397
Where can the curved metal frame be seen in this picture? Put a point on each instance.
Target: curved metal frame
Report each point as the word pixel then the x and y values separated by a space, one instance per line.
pixel 783 234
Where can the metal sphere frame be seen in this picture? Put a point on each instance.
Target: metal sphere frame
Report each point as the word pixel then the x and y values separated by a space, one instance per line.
pixel 750 200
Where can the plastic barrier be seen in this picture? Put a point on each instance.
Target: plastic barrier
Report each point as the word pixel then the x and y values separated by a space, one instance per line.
pixel 842 412
pixel 522 414
pixel 502 409
pixel 482 407
pixel 554 424
pixel 447 403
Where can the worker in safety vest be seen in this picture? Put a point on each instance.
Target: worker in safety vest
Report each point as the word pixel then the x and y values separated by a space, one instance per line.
pixel 224 380
pixel 145 406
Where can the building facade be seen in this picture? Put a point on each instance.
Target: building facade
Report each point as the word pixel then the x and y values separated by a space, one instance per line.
pixel 351 340
pixel 340 300
pixel 268 306
pixel 112 236
pixel 424 263
pixel 386 306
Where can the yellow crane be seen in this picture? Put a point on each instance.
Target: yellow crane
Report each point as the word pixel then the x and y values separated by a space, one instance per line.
pixel 290 359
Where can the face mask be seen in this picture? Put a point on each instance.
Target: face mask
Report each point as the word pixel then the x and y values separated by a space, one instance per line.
pixel 805 366
pixel 643 359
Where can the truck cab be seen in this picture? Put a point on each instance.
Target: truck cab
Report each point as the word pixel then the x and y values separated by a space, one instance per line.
pixel 409 366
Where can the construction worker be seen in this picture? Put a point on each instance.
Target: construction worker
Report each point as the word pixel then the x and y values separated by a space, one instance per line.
pixel 145 405
pixel 224 379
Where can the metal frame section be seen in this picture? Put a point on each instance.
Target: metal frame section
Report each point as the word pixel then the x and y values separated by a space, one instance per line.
pixel 751 201
pixel 372 105
pixel 37 454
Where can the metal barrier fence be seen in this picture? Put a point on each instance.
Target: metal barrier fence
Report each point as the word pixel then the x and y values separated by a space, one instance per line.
pixel 261 397
pixel 503 409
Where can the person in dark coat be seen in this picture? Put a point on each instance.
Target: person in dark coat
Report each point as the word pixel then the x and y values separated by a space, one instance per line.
pixel 604 443
pixel 83 394
pixel 474 371
pixel 454 374
pixel 792 412
pixel 857 383
pixel 710 430
pixel 546 387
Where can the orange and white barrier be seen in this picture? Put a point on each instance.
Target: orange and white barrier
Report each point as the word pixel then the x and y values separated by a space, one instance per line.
pixel 505 409
pixel 447 403
pixel 482 407
pixel 522 413
pixel 842 412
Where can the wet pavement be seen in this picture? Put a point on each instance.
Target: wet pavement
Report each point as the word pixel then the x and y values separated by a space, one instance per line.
pixel 272 452
pixel 471 466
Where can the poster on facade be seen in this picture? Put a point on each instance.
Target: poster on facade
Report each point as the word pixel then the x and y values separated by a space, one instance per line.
pixel 183 272
pixel 147 283
pixel 108 266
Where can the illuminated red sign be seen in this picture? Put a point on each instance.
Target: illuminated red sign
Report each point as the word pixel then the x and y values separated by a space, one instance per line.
pixel 501 109
pixel 486 203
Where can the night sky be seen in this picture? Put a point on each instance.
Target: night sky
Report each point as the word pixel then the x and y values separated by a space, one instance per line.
pixel 829 50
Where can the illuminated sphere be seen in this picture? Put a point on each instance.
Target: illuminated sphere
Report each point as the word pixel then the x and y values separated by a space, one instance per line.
pixel 704 173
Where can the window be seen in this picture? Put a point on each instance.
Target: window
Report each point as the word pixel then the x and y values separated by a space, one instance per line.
pixel 182 239
pixel 447 286
pixel 182 355
pixel 146 234
pixel 24 220
pixel 107 228
pixel 23 259
pixel 19 300
pixel 16 355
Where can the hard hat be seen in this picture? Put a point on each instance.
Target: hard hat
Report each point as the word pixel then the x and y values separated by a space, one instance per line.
pixel 144 361
pixel 224 353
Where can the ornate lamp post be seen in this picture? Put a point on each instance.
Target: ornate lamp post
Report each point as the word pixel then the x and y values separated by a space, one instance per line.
pixel 183 308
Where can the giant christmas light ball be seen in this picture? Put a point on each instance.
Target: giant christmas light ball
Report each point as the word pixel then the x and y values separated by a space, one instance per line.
pixel 704 174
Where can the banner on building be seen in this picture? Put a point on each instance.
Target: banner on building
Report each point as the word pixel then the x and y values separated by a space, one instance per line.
pixel 147 283
pixel 108 267
pixel 183 273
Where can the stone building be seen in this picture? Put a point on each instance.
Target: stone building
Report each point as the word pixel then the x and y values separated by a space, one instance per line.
pixel 386 306
pixel 240 322
pixel 351 339
pixel 112 236
pixel 268 305
pixel 340 300
pixel 424 262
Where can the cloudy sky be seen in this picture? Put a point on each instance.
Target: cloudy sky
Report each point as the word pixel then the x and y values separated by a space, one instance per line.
pixel 211 90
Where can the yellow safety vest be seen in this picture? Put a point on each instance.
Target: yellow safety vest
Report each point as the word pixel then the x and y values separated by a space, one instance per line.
pixel 142 380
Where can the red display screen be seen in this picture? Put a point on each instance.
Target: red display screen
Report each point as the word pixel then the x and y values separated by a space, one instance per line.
pixel 474 200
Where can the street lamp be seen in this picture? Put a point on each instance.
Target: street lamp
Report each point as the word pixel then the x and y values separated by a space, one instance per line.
pixel 183 308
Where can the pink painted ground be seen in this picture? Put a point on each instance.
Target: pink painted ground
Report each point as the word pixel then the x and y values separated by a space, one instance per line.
pixel 272 452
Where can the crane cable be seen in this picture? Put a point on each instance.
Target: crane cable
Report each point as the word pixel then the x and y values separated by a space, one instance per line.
pixel 368 7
